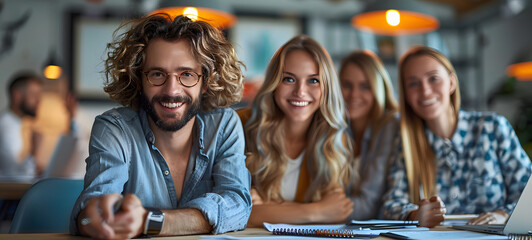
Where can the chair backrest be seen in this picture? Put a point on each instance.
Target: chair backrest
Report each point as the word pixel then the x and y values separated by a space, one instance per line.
pixel 46 206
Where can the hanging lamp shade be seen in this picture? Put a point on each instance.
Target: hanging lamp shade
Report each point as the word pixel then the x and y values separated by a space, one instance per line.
pixel 213 12
pixel 52 69
pixel 395 17
pixel 522 67
pixel 522 71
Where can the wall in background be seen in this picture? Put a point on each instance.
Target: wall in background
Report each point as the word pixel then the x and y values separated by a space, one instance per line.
pixel 31 41
pixel 504 39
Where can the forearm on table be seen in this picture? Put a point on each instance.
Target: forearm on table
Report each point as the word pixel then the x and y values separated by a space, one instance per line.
pixel 184 222
pixel 294 213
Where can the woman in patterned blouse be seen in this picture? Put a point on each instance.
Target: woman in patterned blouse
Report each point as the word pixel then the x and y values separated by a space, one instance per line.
pixel 456 162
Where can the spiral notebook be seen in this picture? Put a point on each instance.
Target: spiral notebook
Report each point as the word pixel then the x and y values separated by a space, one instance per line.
pixel 340 231
pixel 332 231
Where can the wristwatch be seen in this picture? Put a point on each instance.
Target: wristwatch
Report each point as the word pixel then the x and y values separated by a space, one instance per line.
pixel 154 222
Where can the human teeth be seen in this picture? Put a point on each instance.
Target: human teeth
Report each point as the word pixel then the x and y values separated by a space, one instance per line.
pixel 172 105
pixel 299 104
pixel 430 101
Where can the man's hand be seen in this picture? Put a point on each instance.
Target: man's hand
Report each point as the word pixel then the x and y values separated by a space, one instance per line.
pixel 71 105
pixel 98 219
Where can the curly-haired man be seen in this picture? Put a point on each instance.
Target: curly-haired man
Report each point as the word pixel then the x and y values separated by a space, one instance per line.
pixel 171 161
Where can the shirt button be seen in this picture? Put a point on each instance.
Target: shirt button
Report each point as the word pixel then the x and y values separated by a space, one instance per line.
pixel 166 173
pixel 150 139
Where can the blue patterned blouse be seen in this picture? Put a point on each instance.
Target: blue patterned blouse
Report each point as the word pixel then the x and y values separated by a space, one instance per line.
pixel 482 168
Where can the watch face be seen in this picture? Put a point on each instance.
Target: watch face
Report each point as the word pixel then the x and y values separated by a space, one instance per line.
pixel 157 217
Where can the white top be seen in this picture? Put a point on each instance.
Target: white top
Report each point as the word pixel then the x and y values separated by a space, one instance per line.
pixel 291 178
pixel 10 147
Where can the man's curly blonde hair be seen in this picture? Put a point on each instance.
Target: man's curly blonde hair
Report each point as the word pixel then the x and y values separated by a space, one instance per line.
pixel 221 69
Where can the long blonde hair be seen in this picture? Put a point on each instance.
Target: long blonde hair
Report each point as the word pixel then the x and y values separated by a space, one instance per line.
pixel 386 105
pixel 419 157
pixel 328 150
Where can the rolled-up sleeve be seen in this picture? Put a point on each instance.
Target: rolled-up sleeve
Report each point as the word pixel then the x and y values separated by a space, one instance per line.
pixel 107 169
pixel 228 206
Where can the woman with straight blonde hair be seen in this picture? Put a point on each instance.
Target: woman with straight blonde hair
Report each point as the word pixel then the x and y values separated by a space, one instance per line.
pixel 297 153
pixel 372 112
pixel 451 161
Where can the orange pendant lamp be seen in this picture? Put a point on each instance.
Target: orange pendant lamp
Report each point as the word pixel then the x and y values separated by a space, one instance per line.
pixel 213 12
pixel 395 17
pixel 51 69
pixel 522 68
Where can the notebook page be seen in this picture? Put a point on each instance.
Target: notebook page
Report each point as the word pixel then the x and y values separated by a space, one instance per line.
pixel 438 235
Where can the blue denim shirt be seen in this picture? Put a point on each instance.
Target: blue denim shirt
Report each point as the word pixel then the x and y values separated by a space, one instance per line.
pixel 482 168
pixel 123 159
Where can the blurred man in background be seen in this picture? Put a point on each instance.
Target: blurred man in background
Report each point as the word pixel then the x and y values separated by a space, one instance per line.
pixel 18 144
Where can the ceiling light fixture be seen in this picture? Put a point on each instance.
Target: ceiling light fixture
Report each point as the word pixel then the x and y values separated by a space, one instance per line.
pixel 212 12
pixel 522 67
pixel 52 70
pixel 394 17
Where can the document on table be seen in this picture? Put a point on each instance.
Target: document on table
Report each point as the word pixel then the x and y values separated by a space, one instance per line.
pixel 339 230
pixel 438 235
pixel 288 231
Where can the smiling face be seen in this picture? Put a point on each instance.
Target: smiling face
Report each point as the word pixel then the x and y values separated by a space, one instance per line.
pixel 357 92
pixel 298 94
pixel 171 105
pixel 428 87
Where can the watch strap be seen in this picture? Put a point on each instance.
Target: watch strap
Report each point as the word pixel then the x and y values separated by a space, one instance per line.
pixel 154 222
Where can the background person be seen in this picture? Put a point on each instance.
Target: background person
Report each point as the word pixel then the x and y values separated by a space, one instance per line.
pixel 18 143
pixel 372 112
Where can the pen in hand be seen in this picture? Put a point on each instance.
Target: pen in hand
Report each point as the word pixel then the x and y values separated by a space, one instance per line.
pixel 116 208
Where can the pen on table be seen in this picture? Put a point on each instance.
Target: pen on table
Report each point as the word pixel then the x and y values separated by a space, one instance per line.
pixel 393 235
pixel 392 227
pixel 116 207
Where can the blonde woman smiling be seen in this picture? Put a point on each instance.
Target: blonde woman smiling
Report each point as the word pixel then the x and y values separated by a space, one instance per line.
pixel 296 149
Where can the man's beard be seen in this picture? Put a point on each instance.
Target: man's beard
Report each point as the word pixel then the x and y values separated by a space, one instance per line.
pixel 27 110
pixel 149 107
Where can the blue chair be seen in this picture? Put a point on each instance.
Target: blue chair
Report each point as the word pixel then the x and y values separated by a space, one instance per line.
pixel 46 206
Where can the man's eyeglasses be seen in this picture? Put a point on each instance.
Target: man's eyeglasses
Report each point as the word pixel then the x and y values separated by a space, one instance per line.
pixel 186 78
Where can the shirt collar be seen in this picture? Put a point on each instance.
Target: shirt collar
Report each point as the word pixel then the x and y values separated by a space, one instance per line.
pixel 441 146
pixel 150 138
pixel 148 134
pixel 200 131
